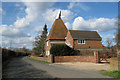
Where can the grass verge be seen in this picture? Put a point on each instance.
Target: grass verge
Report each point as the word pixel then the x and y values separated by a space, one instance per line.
pixel 115 74
pixel 39 60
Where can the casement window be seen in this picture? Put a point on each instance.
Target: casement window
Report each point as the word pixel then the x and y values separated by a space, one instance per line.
pixel 81 41
pixel 68 42
pixel 47 43
pixel 48 52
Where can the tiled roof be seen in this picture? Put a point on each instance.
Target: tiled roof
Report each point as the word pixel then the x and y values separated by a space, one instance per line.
pixel 90 35
pixel 58 30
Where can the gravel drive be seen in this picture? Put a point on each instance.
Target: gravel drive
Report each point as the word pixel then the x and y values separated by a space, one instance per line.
pixel 86 66
pixel 23 67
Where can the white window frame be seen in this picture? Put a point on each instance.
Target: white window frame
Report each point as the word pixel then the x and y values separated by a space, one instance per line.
pixel 65 37
pixel 68 43
pixel 47 43
pixel 81 42
pixel 48 52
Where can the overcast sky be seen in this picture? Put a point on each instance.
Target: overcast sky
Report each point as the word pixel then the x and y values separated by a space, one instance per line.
pixel 21 21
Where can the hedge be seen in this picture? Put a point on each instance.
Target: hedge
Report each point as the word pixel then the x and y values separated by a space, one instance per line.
pixel 62 50
pixel 7 54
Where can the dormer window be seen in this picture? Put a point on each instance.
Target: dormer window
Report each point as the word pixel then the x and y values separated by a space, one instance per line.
pixel 81 41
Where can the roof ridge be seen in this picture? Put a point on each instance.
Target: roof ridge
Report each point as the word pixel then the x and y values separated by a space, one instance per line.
pixel 82 30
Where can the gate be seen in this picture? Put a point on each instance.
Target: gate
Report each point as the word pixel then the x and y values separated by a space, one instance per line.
pixel 105 56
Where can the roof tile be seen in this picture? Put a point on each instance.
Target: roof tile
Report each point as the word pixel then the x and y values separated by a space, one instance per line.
pixel 78 34
pixel 58 30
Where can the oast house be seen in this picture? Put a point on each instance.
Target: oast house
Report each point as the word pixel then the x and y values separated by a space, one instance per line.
pixel 76 39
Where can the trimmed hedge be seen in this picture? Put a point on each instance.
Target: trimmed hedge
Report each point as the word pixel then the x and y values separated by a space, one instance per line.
pixel 7 54
pixel 62 50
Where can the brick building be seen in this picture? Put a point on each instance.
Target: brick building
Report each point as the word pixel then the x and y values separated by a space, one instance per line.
pixel 76 39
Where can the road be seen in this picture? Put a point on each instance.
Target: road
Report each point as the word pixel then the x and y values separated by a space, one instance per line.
pixel 22 67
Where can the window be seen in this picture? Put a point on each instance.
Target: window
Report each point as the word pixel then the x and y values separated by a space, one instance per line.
pixel 81 41
pixel 48 52
pixel 68 42
pixel 47 43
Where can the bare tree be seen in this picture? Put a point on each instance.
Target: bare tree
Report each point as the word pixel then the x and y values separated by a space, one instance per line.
pixel 109 42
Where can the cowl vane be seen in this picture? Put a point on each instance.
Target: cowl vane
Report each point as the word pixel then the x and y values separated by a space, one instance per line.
pixel 59 15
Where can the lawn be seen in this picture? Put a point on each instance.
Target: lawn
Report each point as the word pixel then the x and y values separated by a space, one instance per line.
pixel 39 60
pixel 115 74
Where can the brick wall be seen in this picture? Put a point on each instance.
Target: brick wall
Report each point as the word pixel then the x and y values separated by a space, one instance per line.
pixel 59 59
pixel 75 59
pixel 88 43
pixel 69 38
pixel 49 45
pixel 93 59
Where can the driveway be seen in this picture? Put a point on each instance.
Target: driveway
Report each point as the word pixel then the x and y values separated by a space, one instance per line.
pixel 86 66
pixel 22 67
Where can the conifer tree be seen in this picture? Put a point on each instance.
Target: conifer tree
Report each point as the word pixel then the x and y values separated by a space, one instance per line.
pixel 40 41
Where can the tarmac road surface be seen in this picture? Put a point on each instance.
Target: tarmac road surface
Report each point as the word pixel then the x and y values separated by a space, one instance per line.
pixel 22 67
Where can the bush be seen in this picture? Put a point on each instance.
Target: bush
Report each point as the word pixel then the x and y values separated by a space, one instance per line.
pixel 36 53
pixel 62 50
